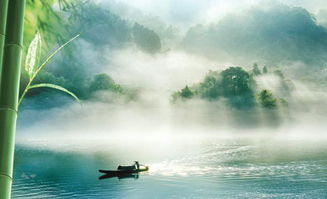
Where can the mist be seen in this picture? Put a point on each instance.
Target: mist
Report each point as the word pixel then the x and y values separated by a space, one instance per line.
pixel 208 44
pixel 213 98
pixel 153 114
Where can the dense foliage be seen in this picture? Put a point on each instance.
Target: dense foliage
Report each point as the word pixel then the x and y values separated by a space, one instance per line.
pixel 266 99
pixel 58 20
pixel 103 30
pixel 146 39
pixel 102 82
pixel 237 87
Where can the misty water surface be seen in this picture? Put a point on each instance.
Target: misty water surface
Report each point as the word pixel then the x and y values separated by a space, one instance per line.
pixel 180 167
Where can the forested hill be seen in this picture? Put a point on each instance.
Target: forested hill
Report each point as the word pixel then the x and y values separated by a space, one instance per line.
pixel 243 93
pixel 96 24
pixel 275 35
pixel 271 34
pixel 75 68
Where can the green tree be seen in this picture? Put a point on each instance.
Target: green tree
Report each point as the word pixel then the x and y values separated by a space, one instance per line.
pixel 104 82
pixel 210 88
pixel 186 93
pixel 266 99
pixel 256 70
pixel 146 39
pixel 265 70
pixel 235 81
pixel 236 87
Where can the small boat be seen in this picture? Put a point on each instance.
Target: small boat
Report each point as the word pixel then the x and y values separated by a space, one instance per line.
pixel 125 170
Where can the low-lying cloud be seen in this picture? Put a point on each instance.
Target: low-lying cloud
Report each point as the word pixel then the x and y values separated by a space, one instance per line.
pixel 278 35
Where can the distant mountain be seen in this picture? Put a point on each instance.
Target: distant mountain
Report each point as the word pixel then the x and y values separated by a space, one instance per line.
pixel 271 34
pixel 102 28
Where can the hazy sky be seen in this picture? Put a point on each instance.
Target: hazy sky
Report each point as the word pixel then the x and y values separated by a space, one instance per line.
pixel 187 12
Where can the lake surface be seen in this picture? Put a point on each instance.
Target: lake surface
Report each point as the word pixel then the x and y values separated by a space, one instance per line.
pixel 181 167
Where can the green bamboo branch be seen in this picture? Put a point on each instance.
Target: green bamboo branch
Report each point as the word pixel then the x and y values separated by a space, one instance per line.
pixel 34 74
pixel 46 85
pixel 52 55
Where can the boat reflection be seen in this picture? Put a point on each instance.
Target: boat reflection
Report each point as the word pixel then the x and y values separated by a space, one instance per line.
pixel 120 176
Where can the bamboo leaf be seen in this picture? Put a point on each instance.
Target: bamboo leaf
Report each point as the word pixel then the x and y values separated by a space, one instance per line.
pixel 53 54
pixel 39 52
pixel 46 85
pixel 34 74
pixel 32 54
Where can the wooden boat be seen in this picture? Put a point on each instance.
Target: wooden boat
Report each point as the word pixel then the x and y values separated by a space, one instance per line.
pixel 125 170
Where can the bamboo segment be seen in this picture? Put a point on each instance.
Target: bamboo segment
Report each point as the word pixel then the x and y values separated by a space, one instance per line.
pixel 9 88
pixel 3 18
pixel 3 15
pixel 7 123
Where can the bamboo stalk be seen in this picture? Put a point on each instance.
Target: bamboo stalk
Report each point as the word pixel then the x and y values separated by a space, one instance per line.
pixel 3 18
pixel 9 89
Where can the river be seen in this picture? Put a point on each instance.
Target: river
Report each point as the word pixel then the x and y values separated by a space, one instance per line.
pixel 180 167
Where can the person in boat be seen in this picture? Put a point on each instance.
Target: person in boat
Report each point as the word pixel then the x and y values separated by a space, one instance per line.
pixel 137 165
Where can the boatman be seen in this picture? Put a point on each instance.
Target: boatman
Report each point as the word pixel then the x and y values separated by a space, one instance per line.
pixel 137 164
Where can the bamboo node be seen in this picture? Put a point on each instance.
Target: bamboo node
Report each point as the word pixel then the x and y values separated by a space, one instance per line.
pixel 8 109
pixel 20 46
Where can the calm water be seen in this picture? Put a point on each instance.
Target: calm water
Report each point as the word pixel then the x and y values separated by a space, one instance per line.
pixel 179 168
